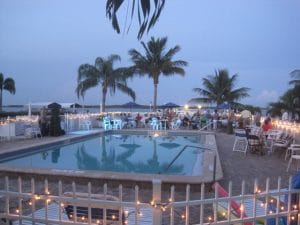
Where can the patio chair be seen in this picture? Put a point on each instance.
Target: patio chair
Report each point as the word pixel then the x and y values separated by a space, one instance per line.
pixel 255 144
pixel 283 142
pixel 155 124
pixel 291 149
pixel 240 142
pixel 295 155
pixel 175 124
pixel 106 123
pixel 114 214
pixel 117 124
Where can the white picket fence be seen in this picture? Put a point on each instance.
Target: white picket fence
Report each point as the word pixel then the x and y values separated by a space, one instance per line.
pixel 33 206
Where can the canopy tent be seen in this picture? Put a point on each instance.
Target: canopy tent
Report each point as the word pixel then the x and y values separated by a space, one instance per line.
pixel 46 104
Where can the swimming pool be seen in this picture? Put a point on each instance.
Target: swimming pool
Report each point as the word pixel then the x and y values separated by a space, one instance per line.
pixel 121 155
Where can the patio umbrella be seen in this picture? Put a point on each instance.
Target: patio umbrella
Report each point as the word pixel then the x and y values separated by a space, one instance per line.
pixel 246 114
pixel 170 105
pixel 130 105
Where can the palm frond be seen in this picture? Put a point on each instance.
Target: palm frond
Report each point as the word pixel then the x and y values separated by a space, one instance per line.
pixel 127 90
pixel 9 85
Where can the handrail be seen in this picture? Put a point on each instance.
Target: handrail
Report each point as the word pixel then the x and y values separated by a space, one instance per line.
pixel 202 128
pixel 182 150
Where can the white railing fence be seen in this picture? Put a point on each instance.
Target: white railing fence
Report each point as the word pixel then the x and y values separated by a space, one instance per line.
pixel 24 201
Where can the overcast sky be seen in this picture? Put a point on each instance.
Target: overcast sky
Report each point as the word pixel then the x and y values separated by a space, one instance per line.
pixel 43 42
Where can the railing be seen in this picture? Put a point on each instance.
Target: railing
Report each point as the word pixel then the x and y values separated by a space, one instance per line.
pixel 35 202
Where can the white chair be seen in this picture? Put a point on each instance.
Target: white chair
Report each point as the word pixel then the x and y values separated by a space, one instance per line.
pixel 240 142
pixel 106 123
pixel 117 124
pixel 295 155
pixel 155 124
pixel 291 149
pixel 175 124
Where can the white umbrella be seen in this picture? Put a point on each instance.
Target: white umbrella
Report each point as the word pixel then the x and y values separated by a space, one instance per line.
pixel 245 114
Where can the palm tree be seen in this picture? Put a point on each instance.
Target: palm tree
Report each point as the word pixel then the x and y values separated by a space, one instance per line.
pixel 143 8
pixel 219 88
pixel 290 100
pixel 295 74
pixel 156 62
pixel 104 74
pixel 6 84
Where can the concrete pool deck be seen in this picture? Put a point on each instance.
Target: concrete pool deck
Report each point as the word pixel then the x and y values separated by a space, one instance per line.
pixel 236 167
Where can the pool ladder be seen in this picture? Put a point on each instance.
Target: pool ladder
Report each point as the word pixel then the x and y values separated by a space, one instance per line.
pixel 197 147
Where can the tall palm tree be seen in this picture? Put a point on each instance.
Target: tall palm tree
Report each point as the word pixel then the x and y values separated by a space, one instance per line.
pixel 156 62
pixel 6 84
pixel 143 8
pixel 103 73
pixel 219 88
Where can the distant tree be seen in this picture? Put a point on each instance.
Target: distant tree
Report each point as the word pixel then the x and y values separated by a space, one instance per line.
pixel 6 84
pixel 146 18
pixel 295 74
pixel 219 88
pixel 290 100
pixel 156 62
pixel 103 73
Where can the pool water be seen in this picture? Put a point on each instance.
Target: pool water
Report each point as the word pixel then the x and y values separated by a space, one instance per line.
pixel 122 153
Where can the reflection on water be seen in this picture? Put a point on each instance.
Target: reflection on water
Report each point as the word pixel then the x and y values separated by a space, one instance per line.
pixel 122 153
pixel 122 161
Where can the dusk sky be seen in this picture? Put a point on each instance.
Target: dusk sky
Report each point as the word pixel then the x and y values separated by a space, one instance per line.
pixel 43 42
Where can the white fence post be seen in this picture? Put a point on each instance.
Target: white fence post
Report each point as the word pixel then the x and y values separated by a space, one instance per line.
pixel 156 198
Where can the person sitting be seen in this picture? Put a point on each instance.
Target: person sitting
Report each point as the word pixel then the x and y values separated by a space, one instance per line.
pixel 267 125
pixel 138 119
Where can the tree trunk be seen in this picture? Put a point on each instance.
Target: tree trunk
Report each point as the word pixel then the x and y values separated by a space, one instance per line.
pixel 103 99
pixel 155 98
pixel 0 100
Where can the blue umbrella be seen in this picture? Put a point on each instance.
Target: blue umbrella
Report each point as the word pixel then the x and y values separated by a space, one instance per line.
pixel 130 105
pixel 170 105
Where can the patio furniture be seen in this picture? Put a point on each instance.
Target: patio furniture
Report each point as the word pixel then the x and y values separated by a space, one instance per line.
pixel 295 155
pixel 117 124
pixel 255 144
pixel 155 124
pixel 106 123
pixel 240 142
